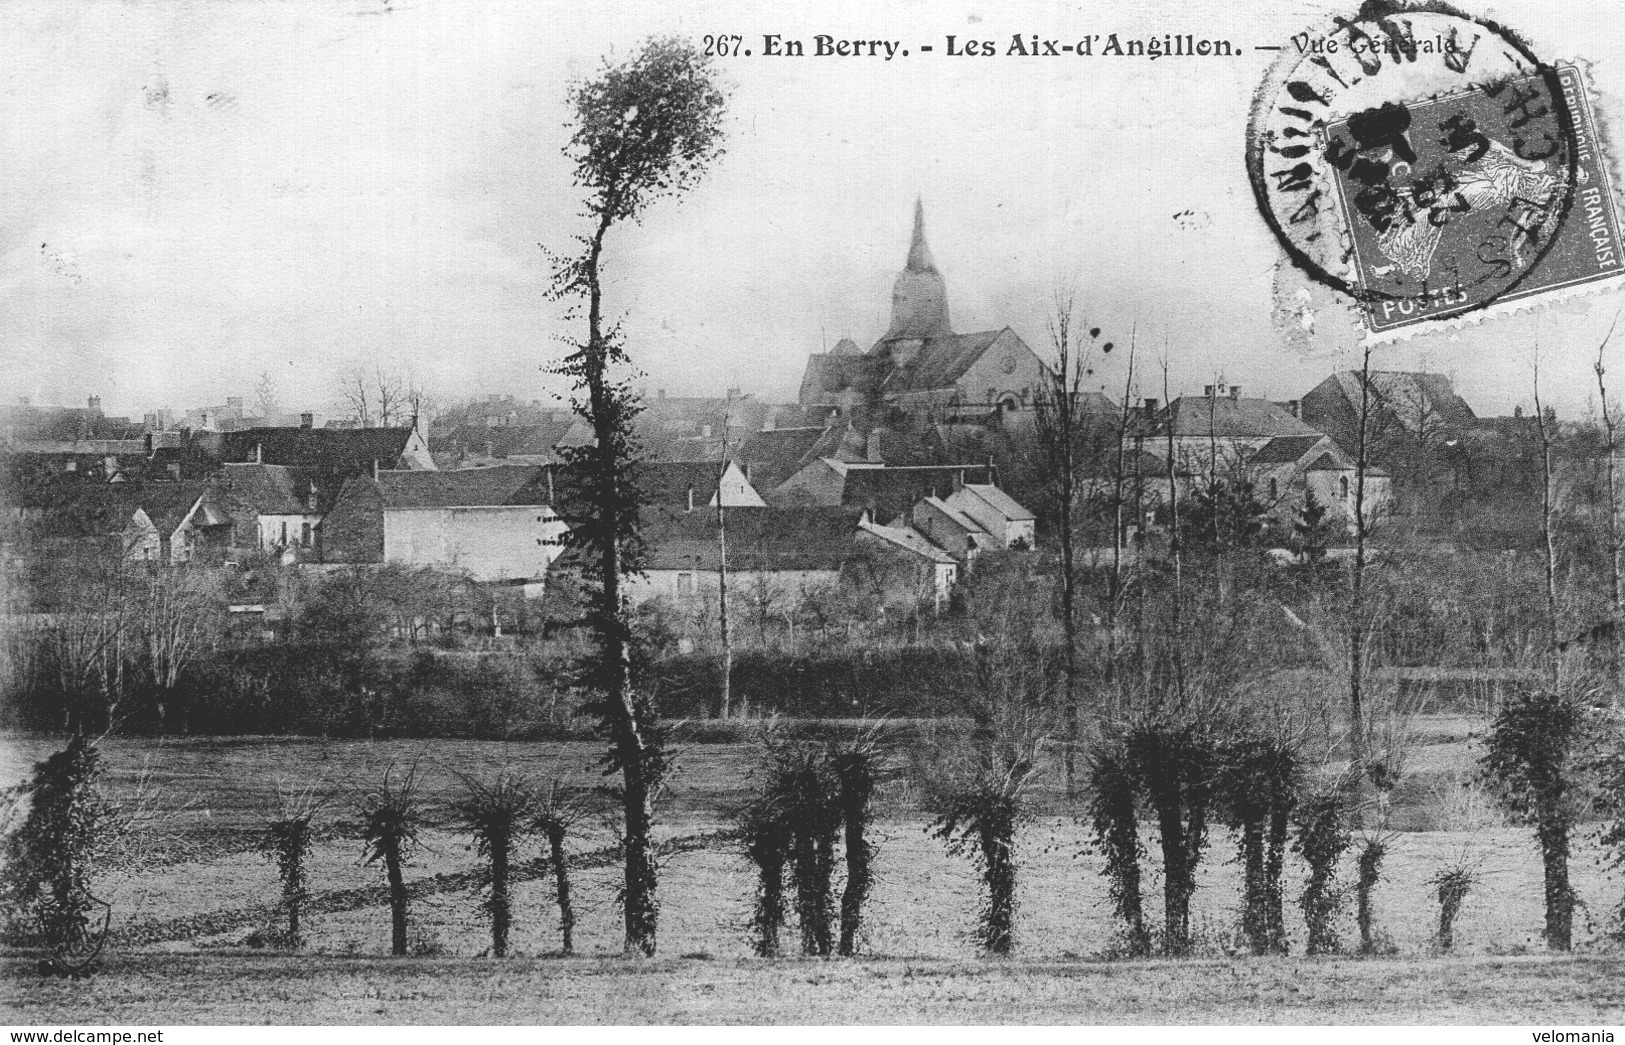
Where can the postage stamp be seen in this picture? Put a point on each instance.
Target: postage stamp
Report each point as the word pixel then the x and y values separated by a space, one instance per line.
pixel 1428 166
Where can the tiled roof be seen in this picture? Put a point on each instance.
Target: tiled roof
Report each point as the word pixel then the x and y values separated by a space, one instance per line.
pixel 941 361
pixel 759 539
pixel 1000 502
pixel 84 509
pixel 349 451
pixel 270 489
pixel 465 488
pixel 1286 449
pixel 889 492
pixel 910 540
pixel 1409 394
pixel 775 456
pixel 1224 417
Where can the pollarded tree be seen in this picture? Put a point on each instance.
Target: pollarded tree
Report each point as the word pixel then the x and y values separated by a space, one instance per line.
pixel 1531 760
pixel 645 129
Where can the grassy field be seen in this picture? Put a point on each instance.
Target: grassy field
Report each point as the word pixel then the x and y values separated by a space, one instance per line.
pixel 923 964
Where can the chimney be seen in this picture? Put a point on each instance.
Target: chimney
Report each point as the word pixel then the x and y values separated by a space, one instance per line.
pixel 307 420
pixel 147 440
pixel 1295 407
pixel 1235 391
pixel 95 404
pixel 1208 390
pixel 1150 408
pixel 1517 411
pixel 375 469
pixel 691 498
pixel 259 453
pixel 733 393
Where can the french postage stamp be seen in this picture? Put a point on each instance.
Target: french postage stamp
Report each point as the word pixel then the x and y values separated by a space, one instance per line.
pixel 1431 168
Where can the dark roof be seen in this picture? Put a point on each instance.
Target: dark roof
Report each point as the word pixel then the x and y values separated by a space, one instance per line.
pixel 466 488
pixel 1408 393
pixel 530 440
pixel 1286 449
pixel 772 457
pixel 270 489
pixel 669 483
pixel 88 510
pixel 941 361
pixel 828 373
pixel 759 539
pixel 348 451
pixel 889 492
pixel 1224 417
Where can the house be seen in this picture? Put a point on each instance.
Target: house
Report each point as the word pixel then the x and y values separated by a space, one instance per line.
pixel 997 513
pixel 773 553
pixel 167 524
pixel 684 428
pixel 920 364
pixel 1213 433
pixel 476 446
pixel 682 487
pixel 1287 470
pixel 900 568
pixel 773 455
pixel 335 454
pixel 1416 406
pixel 885 491
pixel 492 524
pixel 951 530
pixel 275 509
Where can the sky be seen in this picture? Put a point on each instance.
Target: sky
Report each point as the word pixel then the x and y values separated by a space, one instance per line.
pixel 201 193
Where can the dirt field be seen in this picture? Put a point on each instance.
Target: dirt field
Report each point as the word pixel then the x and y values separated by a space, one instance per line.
pixel 923 964
pixel 174 989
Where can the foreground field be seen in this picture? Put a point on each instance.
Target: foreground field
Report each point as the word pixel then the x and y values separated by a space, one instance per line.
pixel 187 921
pixel 167 989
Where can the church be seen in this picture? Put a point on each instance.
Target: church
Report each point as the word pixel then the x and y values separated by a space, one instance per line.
pixel 920 366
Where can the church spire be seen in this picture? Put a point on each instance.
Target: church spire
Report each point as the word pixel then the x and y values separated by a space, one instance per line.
pixel 919 302
pixel 919 255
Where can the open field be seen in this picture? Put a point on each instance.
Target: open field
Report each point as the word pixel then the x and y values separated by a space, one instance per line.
pixel 273 990
pixel 924 964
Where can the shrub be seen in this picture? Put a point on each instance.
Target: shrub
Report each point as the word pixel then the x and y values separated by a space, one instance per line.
pixel 766 837
pixel 1452 883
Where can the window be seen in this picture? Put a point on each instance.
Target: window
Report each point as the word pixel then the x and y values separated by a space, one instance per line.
pixel 1275 491
pixel 685 585
pixel 304 535
pixel 284 531
pixel 1343 487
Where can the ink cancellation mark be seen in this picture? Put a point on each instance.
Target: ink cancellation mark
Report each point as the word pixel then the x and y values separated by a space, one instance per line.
pixel 1427 165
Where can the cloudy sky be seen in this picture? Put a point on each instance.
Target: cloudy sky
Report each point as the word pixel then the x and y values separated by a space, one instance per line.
pixel 199 193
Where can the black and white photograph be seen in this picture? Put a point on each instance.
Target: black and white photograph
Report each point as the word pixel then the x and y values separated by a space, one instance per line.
pixel 522 513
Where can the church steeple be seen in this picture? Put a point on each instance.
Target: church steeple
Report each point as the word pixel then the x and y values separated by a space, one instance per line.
pixel 919 255
pixel 919 299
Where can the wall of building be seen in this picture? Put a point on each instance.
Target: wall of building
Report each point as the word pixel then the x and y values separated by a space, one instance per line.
pixel 489 543
pixel 698 587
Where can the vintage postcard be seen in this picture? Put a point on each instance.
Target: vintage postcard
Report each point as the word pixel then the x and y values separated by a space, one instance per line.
pixel 535 512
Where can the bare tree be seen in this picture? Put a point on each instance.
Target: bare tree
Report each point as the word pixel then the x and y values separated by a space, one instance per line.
pixel 1063 428
pixel 1548 538
pixel 1610 436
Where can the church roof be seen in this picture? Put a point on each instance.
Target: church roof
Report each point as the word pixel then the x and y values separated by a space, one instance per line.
pixel 942 361
pixel 919 300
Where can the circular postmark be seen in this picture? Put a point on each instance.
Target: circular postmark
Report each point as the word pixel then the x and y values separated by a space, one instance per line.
pixel 1414 158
